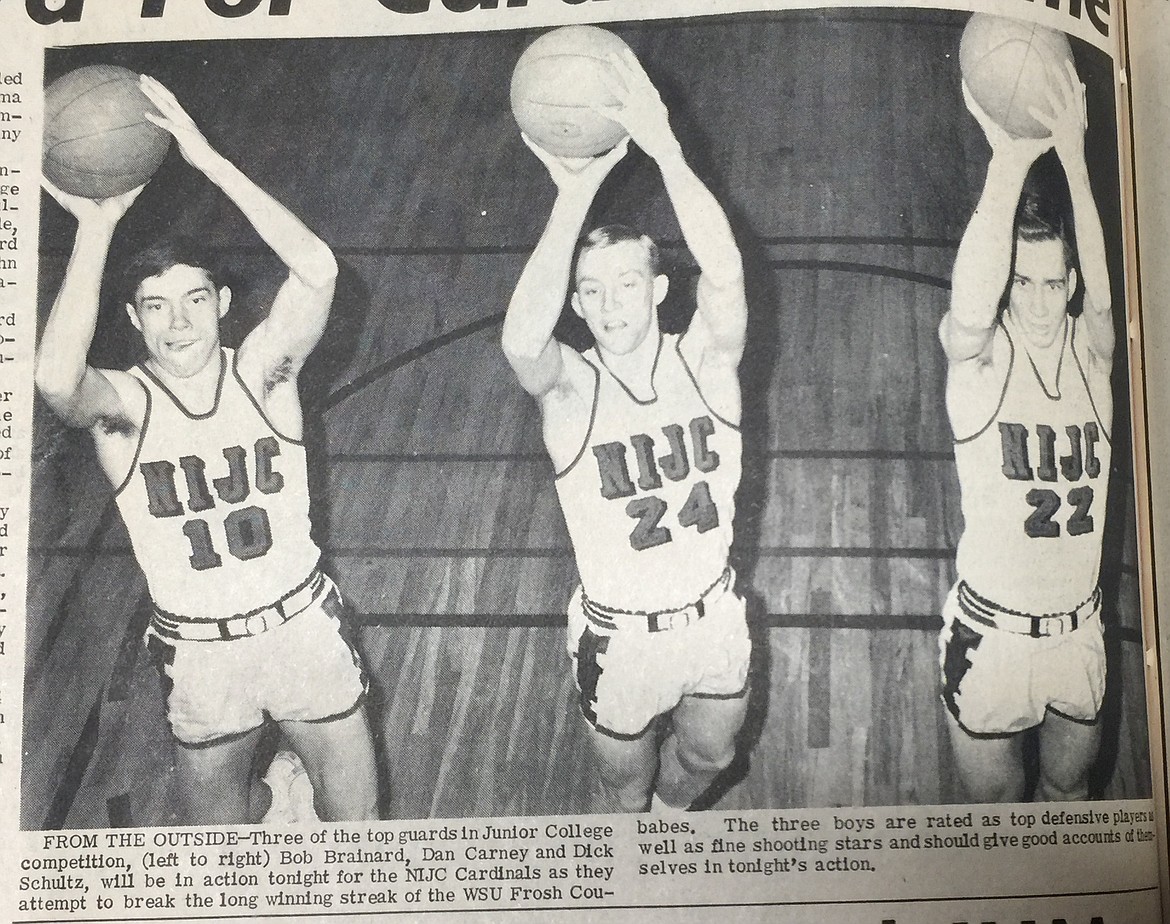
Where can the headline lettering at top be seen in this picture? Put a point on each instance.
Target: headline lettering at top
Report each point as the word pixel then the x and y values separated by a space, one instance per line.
pixel 47 12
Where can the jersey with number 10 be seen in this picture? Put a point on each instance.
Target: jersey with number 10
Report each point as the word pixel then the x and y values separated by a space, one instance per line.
pixel 650 500
pixel 1034 484
pixel 216 504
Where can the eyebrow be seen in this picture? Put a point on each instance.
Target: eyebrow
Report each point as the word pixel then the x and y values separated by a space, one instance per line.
pixel 1018 275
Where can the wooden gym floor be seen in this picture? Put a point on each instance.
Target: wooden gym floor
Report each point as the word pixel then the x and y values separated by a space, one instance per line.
pixel 839 145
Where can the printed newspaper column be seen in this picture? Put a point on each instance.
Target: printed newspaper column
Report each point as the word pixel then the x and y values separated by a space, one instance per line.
pixel 11 132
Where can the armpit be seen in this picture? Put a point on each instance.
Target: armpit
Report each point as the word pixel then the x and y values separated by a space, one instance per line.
pixel 117 425
pixel 282 372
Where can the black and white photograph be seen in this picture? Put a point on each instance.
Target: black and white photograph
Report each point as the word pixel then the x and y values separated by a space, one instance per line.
pixel 712 413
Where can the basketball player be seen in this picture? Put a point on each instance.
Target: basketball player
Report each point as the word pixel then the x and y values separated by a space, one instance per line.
pixel 642 430
pixel 1028 394
pixel 202 445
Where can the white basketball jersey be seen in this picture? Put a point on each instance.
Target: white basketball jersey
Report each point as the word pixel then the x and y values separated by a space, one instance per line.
pixel 216 504
pixel 1034 484
pixel 650 500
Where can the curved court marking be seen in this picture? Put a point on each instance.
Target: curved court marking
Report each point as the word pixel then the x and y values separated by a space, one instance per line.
pixel 429 346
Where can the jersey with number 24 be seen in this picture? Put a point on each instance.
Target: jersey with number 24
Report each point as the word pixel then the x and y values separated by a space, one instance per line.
pixel 650 499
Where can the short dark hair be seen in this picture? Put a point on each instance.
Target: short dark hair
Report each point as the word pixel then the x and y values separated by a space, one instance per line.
pixel 1035 221
pixel 608 235
pixel 161 256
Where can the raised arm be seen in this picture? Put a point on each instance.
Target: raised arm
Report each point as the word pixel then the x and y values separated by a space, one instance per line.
pixel 1068 134
pixel 300 311
pixel 81 395
pixel 722 307
pixel 539 297
pixel 984 259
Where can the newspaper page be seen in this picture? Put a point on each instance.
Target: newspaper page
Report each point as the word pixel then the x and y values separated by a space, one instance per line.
pixel 1150 25
pixel 718 498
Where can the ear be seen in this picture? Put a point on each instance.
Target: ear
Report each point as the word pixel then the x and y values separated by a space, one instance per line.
pixel 132 312
pixel 225 300
pixel 661 284
pixel 1072 281
pixel 575 301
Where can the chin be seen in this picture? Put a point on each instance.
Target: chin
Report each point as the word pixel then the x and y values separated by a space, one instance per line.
pixel 620 344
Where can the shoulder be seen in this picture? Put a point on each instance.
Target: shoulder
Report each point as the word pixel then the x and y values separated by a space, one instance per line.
pixel 568 409
pixel 976 386
pixel 577 385
pixel 714 373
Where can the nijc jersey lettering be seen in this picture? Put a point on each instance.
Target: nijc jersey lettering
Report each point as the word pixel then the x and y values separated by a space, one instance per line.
pixel 686 449
pixel 1034 482
pixel 217 505
pixel 1031 454
pixel 247 531
pixel 650 500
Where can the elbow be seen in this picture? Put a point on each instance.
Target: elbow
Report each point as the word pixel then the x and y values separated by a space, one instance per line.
pixel 516 351
pixel 320 270
pixel 518 348
pixel 52 382
pixel 726 272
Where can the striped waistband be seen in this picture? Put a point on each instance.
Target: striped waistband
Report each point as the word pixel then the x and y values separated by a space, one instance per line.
pixel 241 625
pixel 613 619
pixel 987 613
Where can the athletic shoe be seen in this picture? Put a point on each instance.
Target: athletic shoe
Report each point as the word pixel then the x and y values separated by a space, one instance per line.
pixel 291 791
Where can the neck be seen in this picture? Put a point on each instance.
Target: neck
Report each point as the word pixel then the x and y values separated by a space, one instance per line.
pixel 197 391
pixel 636 368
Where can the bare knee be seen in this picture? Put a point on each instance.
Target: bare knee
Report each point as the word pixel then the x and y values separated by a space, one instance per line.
pixel 1064 782
pixel 704 757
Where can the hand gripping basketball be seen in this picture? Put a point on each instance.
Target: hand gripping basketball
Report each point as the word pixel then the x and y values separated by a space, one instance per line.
pixel 639 108
pixel 174 118
pixel 1002 142
pixel 584 174
pixel 104 213
pixel 1067 118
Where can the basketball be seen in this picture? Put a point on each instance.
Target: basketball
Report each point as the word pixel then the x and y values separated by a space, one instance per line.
pixel 556 80
pixel 1005 64
pixel 98 142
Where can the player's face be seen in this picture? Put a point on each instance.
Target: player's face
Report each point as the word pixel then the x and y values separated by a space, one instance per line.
pixel 1041 287
pixel 178 313
pixel 617 294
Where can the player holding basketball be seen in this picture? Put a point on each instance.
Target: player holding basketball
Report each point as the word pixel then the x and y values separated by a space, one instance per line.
pixel 1029 399
pixel 642 430
pixel 203 448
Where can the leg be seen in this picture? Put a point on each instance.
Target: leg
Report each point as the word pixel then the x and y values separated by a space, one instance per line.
pixel 215 782
pixel 1067 750
pixel 339 757
pixel 991 769
pixel 626 768
pixel 701 747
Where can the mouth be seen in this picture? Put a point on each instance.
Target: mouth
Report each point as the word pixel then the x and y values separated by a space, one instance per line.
pixel 178 346
pixel 611 326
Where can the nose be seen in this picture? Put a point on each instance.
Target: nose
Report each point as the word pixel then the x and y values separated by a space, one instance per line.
pixel 179 318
